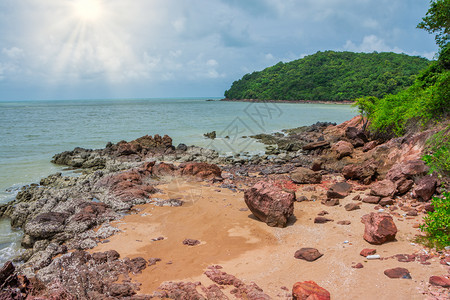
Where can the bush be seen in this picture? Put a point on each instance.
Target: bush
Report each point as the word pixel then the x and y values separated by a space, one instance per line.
pixel 438 155
pixel 437 223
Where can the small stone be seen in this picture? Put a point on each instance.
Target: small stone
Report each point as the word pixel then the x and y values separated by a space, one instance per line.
pixel 330 202
pixel 371 199
pixel 357 197
pixel 191 242
pixel 323 213
pixel 345 222
pixel 308 254
pixel 366 252
pixel 398 273
pixel 351 206
pixel 322 220
pixel 386 201
pixel 309 290
pixel 440 281
pixel 302 198
pixel 358 266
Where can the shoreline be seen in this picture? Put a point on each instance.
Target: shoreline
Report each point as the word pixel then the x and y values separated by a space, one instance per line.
pixel 289 101
pixel 139 200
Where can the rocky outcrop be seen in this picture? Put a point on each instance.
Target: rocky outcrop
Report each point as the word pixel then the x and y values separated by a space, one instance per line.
pixel 379 228
pixel 270 204
pixel 201 170
pixel 309 290
pixel 364 173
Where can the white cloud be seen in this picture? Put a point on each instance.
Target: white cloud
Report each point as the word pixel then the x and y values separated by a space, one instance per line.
pixel 371 43
pixel 13 52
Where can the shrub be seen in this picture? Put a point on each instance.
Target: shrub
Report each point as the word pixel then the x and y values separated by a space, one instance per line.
pixel 437 223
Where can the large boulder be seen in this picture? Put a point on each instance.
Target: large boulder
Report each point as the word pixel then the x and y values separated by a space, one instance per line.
pixel 270 203
pixel 384 188
pixel 425 188
pixel 46 225
pixel 365 172
pixel 309 290
pixel 339 190
pixel 305 176
pixel 342 149
pixel 379 228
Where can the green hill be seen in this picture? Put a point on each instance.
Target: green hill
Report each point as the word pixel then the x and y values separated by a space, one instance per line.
pixel 331 76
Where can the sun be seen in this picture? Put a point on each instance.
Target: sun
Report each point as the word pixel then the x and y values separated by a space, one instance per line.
pixel 88 10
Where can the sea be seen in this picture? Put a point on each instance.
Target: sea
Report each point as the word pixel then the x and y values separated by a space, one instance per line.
pixel 31 132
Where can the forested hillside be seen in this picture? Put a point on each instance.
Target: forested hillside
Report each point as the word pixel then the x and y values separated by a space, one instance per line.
pixel 332 76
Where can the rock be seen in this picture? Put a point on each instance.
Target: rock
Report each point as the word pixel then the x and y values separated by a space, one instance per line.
pixel 309 290
pixel 302 198
pixel 345 222
pixel 358 266
pixel 365 172
pixel 305 176
pixel 308 254
pixel 316 165
pixel 210 135
pixel 371 199
pixel 440 281
pixel 6 271
pixel 121 290
pixel 316 145
pixel 379 228
pixel 322 220
pixel 270 203
pixel 201 170
pixel 404 185
pixel 369 146
pixel 342 149
pixel 182 147
pixel 323 213
pixel 366 252
pixel 163 169
pixel 386 201
pixel 46 225
pixel 425 188
pixel 339 190
pixel 191 242
pixel 330 202
pixel 351 206
pixel 408 170
pixel 384 188
pixel 397 273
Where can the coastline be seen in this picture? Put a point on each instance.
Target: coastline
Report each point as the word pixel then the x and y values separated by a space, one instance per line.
pixel 289 101
pixel 138 201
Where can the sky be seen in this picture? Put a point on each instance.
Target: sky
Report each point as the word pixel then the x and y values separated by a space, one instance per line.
pixel 98 49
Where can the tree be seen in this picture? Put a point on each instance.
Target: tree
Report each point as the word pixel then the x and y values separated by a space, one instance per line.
pixel 437 20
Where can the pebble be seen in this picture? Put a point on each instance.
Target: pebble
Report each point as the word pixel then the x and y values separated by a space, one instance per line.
pixel 371 257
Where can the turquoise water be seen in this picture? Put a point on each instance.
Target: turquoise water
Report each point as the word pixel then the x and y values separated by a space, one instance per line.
pixel 32 132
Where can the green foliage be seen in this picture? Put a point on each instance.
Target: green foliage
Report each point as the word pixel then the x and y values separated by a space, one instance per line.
pixel 437 20
pixel 428 99
pixel 331 76
pixel 437 223
pixel 438 155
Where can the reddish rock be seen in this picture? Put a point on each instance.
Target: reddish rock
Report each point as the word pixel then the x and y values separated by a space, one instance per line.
pixel 316 165
pixel 386 201
pixel 191 242
pixel 330 202
pixel 305 176
pixel 412 213
pixel 309 290
pixel 342 149
pixel 345 222
pixel 316 145
pixel 365 252
pixel 397 273
pixel 385 188
pixel 322 220
pixel 425 188
pixel 201 170
pixel 364 173
pixel 369 146
pixel 440 281
pixel 358 266
pixel 6 271
pixel 379 228
pixel 371 199
pixel 308 254
pixel 339 190
pixel 323 213
pixel 163 169
pixel 403 185
pixel 270 204
pixel 414 168
pixel 405 257
pixel 351 206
